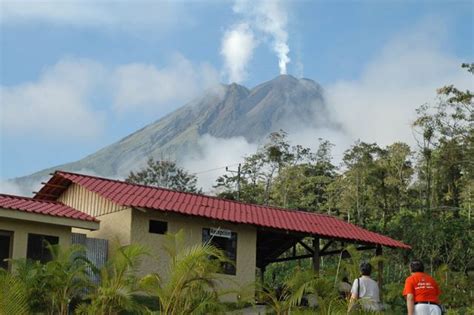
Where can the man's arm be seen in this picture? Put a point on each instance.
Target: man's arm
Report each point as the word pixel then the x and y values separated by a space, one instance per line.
pixel 410 304
pixel 352 302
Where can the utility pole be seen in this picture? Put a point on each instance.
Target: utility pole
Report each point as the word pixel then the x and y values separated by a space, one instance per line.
pixel 238 179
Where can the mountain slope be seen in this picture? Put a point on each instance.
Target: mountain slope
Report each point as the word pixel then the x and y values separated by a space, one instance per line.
pixel 229 111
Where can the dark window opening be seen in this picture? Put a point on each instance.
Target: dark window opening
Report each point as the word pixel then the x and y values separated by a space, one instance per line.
pixel 226 241
pixel 6 247
pixel 37 248
pixel 158 227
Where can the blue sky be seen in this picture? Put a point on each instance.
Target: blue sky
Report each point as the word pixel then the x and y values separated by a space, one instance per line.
pixel 67 67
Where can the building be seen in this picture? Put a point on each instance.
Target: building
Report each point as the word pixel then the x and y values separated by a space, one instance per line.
pixel 26 223
pixel 252 236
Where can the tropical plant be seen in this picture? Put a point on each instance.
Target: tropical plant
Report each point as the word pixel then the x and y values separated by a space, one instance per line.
pixel 118 284
pixel 50 287
pixel 33 277
pixel 13 295
pixel 189 285
pixel 67 276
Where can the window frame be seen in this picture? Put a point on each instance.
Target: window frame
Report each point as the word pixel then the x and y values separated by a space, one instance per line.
pixel 226 267
pixel 159 222
pixel 45 254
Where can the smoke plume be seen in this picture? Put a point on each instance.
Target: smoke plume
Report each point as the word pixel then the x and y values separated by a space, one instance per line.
pixel 267 18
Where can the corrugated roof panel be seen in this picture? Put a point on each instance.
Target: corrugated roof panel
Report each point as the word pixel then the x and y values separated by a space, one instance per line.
pixel 52 208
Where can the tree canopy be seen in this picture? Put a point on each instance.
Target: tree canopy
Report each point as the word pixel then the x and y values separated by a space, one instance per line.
pixel 165 174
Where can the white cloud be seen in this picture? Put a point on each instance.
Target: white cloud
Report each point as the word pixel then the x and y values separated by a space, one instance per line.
pixel 10 188
pixel 216 153
pixel 141 86
pixel 380 105
pixel 62 103
pixel 56 105
pixel 102 14
pixel 238 44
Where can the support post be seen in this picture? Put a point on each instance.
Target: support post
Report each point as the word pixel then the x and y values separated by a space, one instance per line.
pixel 316 257
pixel 378 252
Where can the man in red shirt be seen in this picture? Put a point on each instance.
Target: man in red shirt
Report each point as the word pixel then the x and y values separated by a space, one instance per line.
pixel 421 291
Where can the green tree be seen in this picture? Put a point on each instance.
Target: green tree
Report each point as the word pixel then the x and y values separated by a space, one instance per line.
pixel 358 198
pixel 260 169
pixel 304 184
pixel 447 146
pixel 164 174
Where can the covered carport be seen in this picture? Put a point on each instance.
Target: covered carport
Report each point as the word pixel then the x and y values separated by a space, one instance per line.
pixel 318 235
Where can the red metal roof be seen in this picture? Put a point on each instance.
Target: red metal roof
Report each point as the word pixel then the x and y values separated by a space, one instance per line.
pixel 161 199
pixel 52 208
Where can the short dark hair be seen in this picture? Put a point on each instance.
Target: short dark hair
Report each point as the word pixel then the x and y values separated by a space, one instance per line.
pixel 417 266
pixel 365 269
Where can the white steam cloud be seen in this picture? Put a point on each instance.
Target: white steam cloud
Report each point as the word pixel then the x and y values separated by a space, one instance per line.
pixel 270 18
pixel 237 48
pixel 267 18
pixel 403 76
pixel 209 161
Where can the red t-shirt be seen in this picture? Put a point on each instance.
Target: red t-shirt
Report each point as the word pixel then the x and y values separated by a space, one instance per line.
pixel 423 287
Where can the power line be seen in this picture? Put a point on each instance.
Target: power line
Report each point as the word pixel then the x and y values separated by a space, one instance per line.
pixel 214 169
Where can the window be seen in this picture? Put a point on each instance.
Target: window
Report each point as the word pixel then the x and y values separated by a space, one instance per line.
pixel 6 240
pixel 37 248
pixel 158 227
pixel 226 241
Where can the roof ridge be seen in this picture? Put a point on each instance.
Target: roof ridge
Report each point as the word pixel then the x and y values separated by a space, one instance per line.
pixel 197 194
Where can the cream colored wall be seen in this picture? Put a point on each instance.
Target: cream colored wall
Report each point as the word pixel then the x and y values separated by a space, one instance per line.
pixel 114 227
pixel 115 220
pixel 131 226
pixel 86 201
pixel 158 262
pixel 21 229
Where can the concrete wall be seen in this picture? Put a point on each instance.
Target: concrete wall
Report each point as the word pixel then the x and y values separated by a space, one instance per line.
pixel 21 229
pixel 192 226
pixel 131 226
pixel 114 227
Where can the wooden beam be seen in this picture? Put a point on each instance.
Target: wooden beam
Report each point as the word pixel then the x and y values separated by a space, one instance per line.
pixel 289 258
pixel 53 185
pixel 325 247
pixel 338 251
pixel 316 257
pixel 327 253
pixel 378 252
pixel 44 194
pixel 309 249
pixel 288 243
